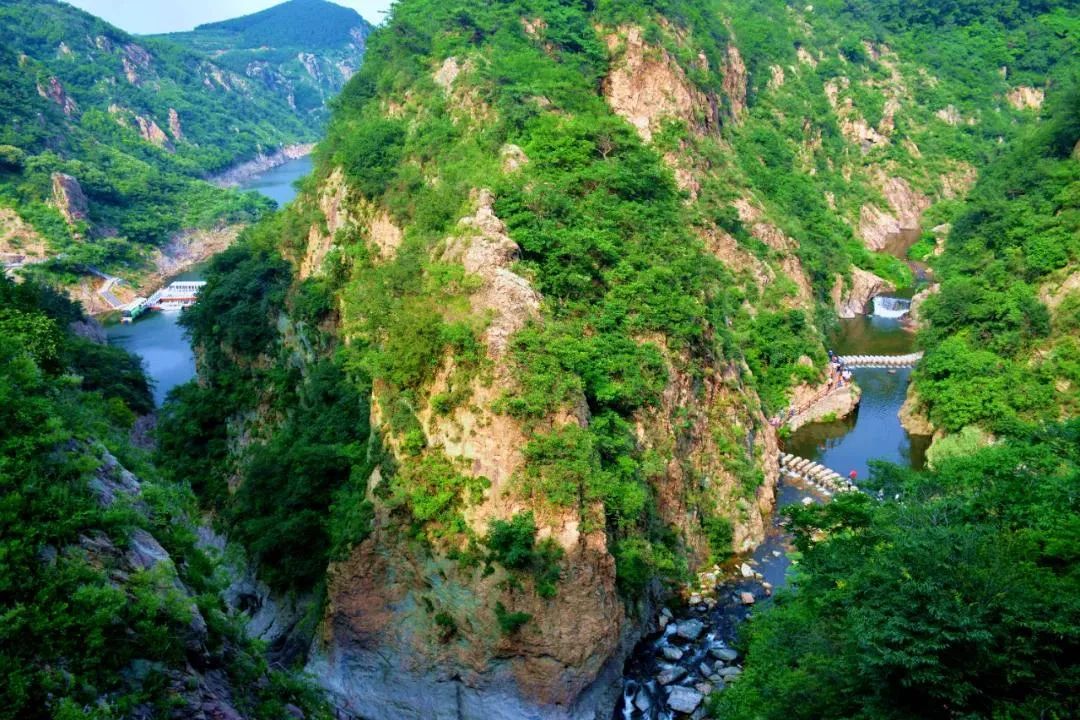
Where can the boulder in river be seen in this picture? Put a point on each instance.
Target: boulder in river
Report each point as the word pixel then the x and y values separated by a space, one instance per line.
pixel 746 570
pixel 684 699
pixel 746 598
pixel 642 701
pixel 672 653
pixel 723 653
pixel 729 673
pixel 671 674
pixel 690 629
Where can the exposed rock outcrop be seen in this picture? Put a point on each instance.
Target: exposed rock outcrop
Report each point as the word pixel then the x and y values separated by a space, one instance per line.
pixel 906 207
pixel 786 250
pixel 377 621
pixel 646 85
pixel 55 92
pixel 152 133
pixel 735 82
pixel 1026 98
pixel 69 198
pixel 380 622
pixel 1053 292
pixel 851 300
pixel 913 417
pixel 335 215
pixel 915 313
pixel 698 420
pixel 817 403
pixel 174 125
pixel 184 250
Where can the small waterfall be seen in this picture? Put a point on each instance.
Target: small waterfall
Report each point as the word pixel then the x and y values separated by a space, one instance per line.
pixel 890 307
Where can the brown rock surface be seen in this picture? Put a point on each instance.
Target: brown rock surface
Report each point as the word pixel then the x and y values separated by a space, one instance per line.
pixel 913 417
pixel 1026 98
pixel 851 300
pixel 69 198
pixel 906 206
pixel 646 85
pixel 55 92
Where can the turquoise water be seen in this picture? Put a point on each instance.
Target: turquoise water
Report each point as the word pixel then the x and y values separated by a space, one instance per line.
pixel 873 431
pixel 157 337
pixel 277 183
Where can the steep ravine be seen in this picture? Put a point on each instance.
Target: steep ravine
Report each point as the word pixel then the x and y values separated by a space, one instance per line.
pixel 689 653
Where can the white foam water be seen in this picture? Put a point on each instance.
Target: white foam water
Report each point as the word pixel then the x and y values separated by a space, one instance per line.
pixel 890 307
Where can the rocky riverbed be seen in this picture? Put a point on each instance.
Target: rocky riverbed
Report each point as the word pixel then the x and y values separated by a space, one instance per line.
pixel 691 652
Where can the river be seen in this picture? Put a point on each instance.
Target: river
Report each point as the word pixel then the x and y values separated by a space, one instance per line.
pixel 157 337
pixel 678 667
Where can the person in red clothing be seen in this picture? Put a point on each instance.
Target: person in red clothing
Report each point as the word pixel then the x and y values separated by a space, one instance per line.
pixel 853 475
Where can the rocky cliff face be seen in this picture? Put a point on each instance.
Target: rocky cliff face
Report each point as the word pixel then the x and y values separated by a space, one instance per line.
pixel 69 198
pixel 379 622
pixel 391 601
pixel 854 298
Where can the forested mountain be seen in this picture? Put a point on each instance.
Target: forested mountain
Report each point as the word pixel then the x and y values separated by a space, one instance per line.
pixel 503 370
pixel 508 373
pixel 304 50
pixel 106 138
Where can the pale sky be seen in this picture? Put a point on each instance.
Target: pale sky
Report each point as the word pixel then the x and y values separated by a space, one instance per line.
pixel 158 16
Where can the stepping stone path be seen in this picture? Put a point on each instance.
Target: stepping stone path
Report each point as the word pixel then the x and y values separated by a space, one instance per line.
pixel 824 479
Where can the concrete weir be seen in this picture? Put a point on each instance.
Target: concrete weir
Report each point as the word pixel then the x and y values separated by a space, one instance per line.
pixel 823 478
pixel 881 361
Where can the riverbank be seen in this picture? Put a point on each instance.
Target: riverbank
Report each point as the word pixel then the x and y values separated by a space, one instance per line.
pixel 247 171
pixel 155 336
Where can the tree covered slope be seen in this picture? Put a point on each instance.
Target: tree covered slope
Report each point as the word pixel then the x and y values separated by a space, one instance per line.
pixel 303 50
pixel 134 124
pixel 1002 335
pixel 111 606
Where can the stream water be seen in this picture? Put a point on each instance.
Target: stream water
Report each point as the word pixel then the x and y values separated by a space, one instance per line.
pixel 670 672
pixel 157 337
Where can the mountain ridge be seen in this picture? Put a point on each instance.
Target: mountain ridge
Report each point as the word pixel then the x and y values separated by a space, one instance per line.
pixel 304 50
